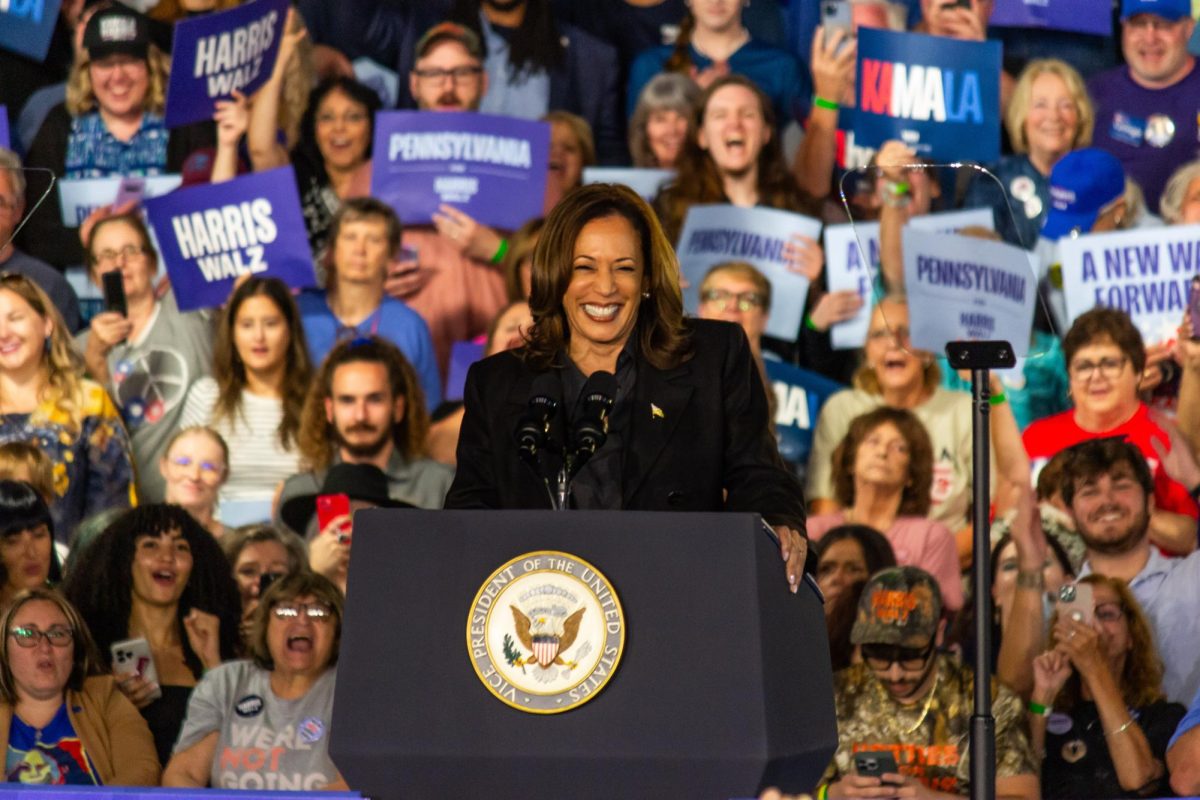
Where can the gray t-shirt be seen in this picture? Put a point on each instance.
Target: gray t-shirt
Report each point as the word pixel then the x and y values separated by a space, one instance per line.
pixel 264 742
pixel 149 379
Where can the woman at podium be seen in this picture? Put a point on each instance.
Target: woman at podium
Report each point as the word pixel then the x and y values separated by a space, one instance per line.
pixel 617 401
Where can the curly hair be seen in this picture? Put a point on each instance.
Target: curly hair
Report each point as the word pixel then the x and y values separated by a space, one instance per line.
pixel 230 372
pixel 914 496
pixel 305 152
pixel 659 330
pixel 315 437
pixel 290 588
pixel 62 367
pixel 81 98
pixel 1141 677
pixel 697 179
pixel 100 582
pixel 85 660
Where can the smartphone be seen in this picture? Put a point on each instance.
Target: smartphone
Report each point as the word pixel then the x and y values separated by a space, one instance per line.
pixel 132 657
pixel 875 764
pixel 1194 308
pixel 265 580
pixel 132 188
pixel 330 507
pixel 113 284
pixel 837 15
pixel 1075 601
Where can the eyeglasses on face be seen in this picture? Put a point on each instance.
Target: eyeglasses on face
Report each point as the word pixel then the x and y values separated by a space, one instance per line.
pixel 209 469
pixel 317 612
pixel 882 656
pixel 723 299
pixel 28 635
pixel 129 252
pixel 458 74
pixel 1109 367
pixel 1109 612
pixel 900 333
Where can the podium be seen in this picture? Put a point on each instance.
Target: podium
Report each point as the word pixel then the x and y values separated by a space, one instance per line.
pixel 723 683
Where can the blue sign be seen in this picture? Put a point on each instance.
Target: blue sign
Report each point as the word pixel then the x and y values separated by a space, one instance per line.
pixel 212 234
pixel 5 139
pixel 799 395
pixel 1080 16
pixel 939 96
pixel 27 25
pixel 214 54
pixel 492 168
pixel 462 356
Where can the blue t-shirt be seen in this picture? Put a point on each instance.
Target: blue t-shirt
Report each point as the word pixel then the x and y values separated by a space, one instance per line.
pixel 53 756
pixel 93 152
pixel 1027 192
pixel 393 320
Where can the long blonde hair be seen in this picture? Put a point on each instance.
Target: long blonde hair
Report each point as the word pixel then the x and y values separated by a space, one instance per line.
pixel 81 98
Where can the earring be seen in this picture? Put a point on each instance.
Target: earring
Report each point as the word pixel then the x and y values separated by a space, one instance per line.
pixel 646 295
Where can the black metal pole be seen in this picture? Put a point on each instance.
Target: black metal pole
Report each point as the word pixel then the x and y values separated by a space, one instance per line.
pixel 983 724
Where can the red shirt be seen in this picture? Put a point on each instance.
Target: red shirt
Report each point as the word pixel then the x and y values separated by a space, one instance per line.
pixel 1046 437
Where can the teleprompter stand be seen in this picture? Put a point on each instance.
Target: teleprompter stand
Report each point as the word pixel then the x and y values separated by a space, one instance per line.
pixel 724 684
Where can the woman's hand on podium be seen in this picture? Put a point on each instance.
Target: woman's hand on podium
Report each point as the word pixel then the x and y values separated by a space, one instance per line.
pixel 793 548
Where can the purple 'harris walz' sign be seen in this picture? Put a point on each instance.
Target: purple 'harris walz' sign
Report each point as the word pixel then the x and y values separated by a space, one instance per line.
pixel 492 168
pixel 216 53
pixel 214 233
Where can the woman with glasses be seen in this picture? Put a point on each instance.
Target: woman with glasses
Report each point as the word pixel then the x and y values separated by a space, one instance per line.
pixel 62 720
pixel 1105 369
pixel 283 695
pixel 28 559
pixel 896 375
pixel 156 574
pixel 148 354
pixel 44 399
pixel 1097 713
pixel 195 466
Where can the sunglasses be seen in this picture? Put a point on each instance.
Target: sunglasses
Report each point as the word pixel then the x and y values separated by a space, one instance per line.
pixel 882 656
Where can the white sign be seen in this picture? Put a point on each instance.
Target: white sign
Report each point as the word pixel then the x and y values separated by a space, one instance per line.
pixel 83 196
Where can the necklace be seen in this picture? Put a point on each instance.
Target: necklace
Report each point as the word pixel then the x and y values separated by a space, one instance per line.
pixel 928 703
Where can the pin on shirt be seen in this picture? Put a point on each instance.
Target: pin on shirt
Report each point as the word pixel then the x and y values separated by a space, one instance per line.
pixel 656 412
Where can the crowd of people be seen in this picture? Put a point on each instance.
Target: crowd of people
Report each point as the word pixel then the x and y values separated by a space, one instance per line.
pixel 165 475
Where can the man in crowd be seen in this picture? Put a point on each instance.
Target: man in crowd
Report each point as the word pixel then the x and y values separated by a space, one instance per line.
pixel 1108 485
pixel 913 703
pixel 455 284
pixel 1146 111
pixel 365 408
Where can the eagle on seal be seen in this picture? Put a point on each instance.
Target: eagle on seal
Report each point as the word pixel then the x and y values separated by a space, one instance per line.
pixel 540 636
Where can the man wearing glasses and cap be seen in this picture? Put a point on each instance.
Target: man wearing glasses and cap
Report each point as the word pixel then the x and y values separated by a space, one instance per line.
pixel 904 713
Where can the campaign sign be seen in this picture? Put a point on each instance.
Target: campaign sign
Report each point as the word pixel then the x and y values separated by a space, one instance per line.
pixel 490 167
pixel 5 138
pixel 82 196
pixel 963 288
pixel 214 54
pixel 646 182
pixel 1145 273
pixel 462 356
pixel 845 268
pixel 214 233
pixel 27 25
pixel 939 96
pixel 799 395
pixel 1080 16
pixel 716 233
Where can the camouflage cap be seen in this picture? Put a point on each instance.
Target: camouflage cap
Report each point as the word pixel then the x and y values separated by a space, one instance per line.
pixel 899 606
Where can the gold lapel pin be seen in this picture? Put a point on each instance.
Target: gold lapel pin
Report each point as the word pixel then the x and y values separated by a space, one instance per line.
pixel 656 412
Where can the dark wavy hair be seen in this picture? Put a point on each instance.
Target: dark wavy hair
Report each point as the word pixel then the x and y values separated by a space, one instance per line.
pixel 1111 324
pixel 85 660
pixel 306 152
pixel 22 509
pixel 534 45
pixel 1090 459
pixel 697 179
pixel 660 333
pixel 100 583
pixel 914 497
pixel 230 372
pixel 876 549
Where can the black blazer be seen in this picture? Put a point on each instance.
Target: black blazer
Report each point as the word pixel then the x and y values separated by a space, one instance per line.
pixel 711 437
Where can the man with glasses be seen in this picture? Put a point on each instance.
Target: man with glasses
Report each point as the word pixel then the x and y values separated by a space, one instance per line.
pixel 910 702
pixel 1146 111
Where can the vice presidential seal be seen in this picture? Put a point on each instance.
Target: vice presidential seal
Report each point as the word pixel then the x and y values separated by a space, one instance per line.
pixel 546 632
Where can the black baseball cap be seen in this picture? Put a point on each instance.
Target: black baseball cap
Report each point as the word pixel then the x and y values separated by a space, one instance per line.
pixel 117 30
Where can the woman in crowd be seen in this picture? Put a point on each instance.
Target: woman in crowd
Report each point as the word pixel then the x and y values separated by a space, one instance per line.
pixel 1050 114
pixel 1106 367
pixel 571 149
pixel 62 720
pixel 662 120
pixel 605 276
pixel 149 356
pixel 111 125
pixel 294 652
pixel 895 375
pixel 712 43
pixel 195 466
pixel 155 574
pixel 1180 202
pixel 332 160
pixel 518 262
pixel 23 461
pixel 1105 724
pixel 261 555
pixel 883 471
pixel 43 399
pixel 27 555
pixel 261 375
pixel 849 554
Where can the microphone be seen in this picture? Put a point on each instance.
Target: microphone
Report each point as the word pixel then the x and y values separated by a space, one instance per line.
pixel 533 428
pixel 591 427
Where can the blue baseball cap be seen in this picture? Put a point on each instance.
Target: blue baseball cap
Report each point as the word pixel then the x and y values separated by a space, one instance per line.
pixel 1167 9
pixel 1082 183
